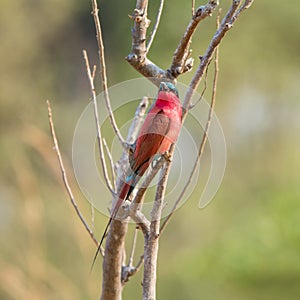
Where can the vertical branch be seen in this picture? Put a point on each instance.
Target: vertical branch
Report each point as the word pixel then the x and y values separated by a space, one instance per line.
pixel 151 240
pixel 130 261
pixel 193 7
pixel 112 263
pixel 103 72
pixel 111 163
pixel 99 135
pixel 161 6
pixel 66 181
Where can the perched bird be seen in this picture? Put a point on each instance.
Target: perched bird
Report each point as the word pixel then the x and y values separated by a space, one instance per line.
pixel 158 132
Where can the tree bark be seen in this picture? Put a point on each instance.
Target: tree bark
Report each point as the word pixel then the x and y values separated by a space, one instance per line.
pixel 112 263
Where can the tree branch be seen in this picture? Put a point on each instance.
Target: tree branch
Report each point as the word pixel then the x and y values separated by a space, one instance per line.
pixel 151 240
pixel 137 57
pixel 103 72
pixel 129 269
pixel 161 6
pixel 137 216
pixel 111 163
pixel 130 261
pixel 193 7
pixel 112 263
pixel 66 181
pixel 99 135
pixel 181 62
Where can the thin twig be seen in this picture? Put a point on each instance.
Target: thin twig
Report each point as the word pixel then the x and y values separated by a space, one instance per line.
pixel 137 120
pixel 103 72
pixel 94 72
pixel 193 7
pixel 99 134
pixel 112 167
pixel 160 9
pixel 203 91
pixel 93 217
pixel 139 263
pixel 128 271
pixel 130 261
pixel 243 7
pixel 205 135
pixel 66 181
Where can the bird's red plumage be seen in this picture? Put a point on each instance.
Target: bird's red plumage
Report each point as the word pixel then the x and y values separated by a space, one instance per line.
pixel 159 131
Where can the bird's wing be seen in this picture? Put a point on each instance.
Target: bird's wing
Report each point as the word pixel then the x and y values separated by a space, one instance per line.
pixel 151 137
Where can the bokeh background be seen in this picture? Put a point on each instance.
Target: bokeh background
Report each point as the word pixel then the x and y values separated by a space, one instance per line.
pixel 244 245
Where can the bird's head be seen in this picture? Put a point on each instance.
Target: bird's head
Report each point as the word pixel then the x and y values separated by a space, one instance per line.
pixel 168 87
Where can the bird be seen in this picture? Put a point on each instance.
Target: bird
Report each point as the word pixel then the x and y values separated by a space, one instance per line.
pixel 159 131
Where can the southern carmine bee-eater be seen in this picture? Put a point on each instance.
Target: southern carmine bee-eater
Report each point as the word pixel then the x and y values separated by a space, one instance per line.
pixel 159 131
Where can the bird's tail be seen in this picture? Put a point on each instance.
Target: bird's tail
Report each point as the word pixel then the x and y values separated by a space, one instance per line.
pixel 123 195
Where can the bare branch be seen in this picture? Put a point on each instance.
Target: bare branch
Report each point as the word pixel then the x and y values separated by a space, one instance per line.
pixel 93 217
pixel 137 120
pixel 66 181
pixel 137 57
pixel 160 9
pixel 94 72
pixel 111 162
pixel 204 138
pixel 138 265
pixel 151 241
pixel 225 26
pixel 112 263
pixel 193 7
pixel 181 62
pixel 243 7
pixel 130 261
pixel 128 271
pixel 159 198
pixel 203 91
pixel 99 135
pixel 137 216
pixel 103 72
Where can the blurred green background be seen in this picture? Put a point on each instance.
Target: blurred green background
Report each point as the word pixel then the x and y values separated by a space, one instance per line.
pixel 244 245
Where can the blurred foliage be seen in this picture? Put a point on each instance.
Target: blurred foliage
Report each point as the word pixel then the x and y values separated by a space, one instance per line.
pixel 245 245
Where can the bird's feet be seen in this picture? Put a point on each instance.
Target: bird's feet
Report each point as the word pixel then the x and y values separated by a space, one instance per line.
pixel 167 156
pixel 129 147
